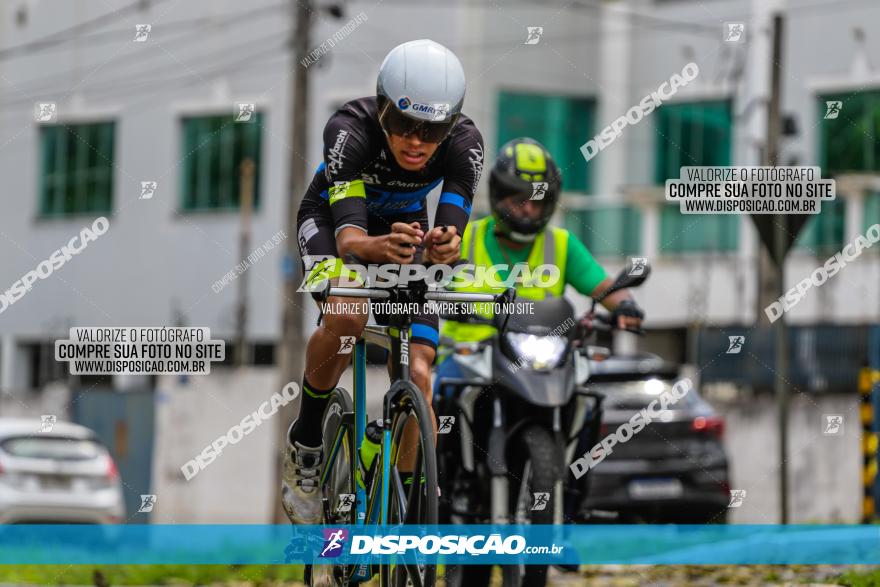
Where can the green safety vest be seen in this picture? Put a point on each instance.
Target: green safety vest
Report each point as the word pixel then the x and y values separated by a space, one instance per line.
pixel 549 248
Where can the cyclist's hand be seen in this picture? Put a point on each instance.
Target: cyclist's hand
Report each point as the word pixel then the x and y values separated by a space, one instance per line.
pixel 400 245
pixel 442 245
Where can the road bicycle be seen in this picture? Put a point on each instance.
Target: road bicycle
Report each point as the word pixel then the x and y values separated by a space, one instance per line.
pixel 357 493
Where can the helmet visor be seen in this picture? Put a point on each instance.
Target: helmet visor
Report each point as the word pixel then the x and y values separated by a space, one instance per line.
pixel 394 122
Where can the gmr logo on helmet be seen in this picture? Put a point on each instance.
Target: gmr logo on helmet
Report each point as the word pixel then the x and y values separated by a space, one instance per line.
pixel 437 111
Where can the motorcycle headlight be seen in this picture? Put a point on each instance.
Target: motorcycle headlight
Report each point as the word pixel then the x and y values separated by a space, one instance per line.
pixel 538 352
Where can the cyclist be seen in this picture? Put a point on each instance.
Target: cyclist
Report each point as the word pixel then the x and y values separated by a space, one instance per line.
pixel 524 188
pixel 382 155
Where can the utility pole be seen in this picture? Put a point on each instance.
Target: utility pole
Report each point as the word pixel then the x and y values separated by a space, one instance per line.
pixel 780 246
pixel 291 356
pixel 246 202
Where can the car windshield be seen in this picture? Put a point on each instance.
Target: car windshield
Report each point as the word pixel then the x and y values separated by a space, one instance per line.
pixel 635 395
pixel 54 447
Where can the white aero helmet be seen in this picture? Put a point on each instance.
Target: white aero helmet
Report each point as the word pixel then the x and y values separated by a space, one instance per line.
pixel 421 90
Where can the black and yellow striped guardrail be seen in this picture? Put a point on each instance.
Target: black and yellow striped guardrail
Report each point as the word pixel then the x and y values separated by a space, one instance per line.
pixel 868 379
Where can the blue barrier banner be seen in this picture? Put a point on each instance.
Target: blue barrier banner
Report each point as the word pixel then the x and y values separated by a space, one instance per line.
pixel 568 544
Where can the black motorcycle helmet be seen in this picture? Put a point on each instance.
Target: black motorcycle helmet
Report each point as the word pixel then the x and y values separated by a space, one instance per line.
pixel 524 170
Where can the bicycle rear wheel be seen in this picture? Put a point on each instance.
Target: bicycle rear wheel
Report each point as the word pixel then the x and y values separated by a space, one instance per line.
pixel 416 503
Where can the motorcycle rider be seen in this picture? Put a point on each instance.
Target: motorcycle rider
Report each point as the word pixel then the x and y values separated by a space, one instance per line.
pixel 524 189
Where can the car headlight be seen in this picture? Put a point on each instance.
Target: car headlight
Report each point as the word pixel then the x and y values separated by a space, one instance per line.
pixel 538 352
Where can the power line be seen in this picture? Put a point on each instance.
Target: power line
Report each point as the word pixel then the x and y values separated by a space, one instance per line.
pixel 143 78
pixel 108 37
pixel 48 83
pixel 63 35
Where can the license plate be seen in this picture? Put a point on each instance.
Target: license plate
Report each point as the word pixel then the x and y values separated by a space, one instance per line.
pixel 56 482
pixel 655 488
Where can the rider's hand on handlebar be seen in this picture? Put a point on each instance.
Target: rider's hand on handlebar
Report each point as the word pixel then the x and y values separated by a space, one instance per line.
pixel 442 245
pixel 627 315
pixel 400 245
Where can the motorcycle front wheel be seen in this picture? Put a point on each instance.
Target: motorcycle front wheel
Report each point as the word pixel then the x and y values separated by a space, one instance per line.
pixel 533 470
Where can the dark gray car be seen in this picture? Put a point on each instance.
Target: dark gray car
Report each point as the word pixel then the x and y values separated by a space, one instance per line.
pixel 675 469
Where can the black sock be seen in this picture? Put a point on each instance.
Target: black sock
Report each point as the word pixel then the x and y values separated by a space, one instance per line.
pixel 307 429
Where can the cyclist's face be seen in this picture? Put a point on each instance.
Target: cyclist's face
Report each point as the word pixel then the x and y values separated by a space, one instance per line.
pixel 410 152
pixel 521 208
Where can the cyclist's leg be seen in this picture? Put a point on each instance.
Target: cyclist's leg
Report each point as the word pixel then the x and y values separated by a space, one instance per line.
pixel 303 458
pixel 325 363
pixel 344 318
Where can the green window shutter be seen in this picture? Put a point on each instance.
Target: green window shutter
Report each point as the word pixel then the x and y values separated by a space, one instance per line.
pixel 823 233
pixel 560 123
pixel 847 144
pixel 872 210
pixel 214 147
pixel 563 124
pixel 691 134
pixel 76 175
pixel 607 231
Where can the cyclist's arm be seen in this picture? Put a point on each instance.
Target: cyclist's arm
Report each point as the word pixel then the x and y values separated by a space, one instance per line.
pixel 344 159
pixel 461 177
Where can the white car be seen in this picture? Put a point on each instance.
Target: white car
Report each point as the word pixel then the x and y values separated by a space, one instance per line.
pixel 61 475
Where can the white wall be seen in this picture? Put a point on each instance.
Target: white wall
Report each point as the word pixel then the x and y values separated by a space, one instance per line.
pixel 237 486
pixel 825 472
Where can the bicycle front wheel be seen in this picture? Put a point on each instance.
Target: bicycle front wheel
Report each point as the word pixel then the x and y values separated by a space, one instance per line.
pixel 338 489
pixel 412 500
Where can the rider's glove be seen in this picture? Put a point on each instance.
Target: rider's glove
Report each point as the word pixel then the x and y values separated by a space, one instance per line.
pixel 627 307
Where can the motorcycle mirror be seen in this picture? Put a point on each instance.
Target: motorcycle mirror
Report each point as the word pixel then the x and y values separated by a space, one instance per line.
pixel 633 275
pixel 505 299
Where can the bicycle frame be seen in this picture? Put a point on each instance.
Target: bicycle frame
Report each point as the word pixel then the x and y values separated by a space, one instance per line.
pixel 377 335
pixel 371 503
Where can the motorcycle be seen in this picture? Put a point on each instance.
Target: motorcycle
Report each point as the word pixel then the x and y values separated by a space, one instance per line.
pixel 520 413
